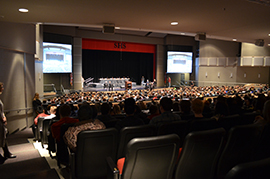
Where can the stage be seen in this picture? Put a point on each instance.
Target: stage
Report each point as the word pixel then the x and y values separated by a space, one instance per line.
pixel 100 88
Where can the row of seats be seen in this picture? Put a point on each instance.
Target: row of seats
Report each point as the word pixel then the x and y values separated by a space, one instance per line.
pixel 205 154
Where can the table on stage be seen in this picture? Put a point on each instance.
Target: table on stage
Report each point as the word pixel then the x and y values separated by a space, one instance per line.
pixel 117 82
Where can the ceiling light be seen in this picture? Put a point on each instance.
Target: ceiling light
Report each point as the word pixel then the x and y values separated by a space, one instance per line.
pixel 234 39
pixel 269 35
pixel 117 27
pixel 183 33
pixel 23 10
pixel 174 23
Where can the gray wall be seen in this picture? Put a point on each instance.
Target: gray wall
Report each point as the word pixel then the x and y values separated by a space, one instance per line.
pixel 17 66
pixel 231 74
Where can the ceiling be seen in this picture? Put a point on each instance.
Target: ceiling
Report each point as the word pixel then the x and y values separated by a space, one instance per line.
pixel 244 20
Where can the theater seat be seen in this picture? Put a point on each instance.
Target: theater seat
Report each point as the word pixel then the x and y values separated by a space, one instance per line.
pixel 93 147
pixel 151 157
pixel 177 127
pixel 240 147
pixel 251 170
pixel 128 133
pixel 200 153
pixel 45 131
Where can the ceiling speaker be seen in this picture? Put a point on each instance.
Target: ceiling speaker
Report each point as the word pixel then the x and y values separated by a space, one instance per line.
pixel 259 42
pixel 108 29
pixel 200 37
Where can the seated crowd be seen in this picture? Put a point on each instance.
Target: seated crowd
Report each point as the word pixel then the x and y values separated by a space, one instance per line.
pixel 100 110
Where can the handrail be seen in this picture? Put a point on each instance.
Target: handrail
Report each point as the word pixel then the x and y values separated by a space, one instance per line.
pixel 18 110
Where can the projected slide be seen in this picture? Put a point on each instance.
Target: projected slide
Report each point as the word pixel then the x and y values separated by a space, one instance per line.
pixel 179 62
pixel 57 58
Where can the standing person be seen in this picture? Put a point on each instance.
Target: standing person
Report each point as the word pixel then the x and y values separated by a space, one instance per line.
pixel 169 81
pixel 3 131
pixel 36 102
pixel 142 81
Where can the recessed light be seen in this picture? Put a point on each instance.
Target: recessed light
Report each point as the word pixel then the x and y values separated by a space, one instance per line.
pixel 117 27
pixel 23 10
pixel 234 39
pixel 174 23
pixel 269 35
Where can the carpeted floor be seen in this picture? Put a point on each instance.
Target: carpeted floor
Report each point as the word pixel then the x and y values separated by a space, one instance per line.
pixel 29 163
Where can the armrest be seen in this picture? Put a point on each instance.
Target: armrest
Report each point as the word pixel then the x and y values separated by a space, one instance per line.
pixel 72 164
pixel 113 171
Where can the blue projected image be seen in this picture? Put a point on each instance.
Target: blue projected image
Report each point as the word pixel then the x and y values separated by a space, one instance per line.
pixel 57 58
pixel 179 62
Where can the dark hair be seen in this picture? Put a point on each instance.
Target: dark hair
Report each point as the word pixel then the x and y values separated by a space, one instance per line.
pixel 105 108
pixel 166 103
pixel 185 106
pixel 40 109
pixel 129 106
pixel 85 112
pixel 153 109
pixel 64 110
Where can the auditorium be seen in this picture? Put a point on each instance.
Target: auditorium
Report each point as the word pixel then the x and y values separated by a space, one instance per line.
pixel 176 89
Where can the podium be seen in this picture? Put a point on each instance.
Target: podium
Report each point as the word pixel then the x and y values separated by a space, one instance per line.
pixel 128 85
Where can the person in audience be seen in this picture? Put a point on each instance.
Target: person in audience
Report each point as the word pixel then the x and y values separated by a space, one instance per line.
pixel 52 112
pixel 105 113
pixel 138 113
pixel 154 111
pixel 41 113
pixel 86 122
pixel 221 108
pixel 116 110
pixel 130 119
pixel 3 131
pixel 64 112
pixel 185 107
pixel 166 113
pixel 263 148
pixel 197 106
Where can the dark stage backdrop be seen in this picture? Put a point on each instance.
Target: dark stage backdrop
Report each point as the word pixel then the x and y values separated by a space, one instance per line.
pixel 107 64
pixel 114 59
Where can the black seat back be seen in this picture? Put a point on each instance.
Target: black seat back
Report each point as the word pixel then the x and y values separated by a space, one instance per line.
pixel 128 133
pixel 203 124
pixel 151 157
pixel 230 121
pixel 251 170
pixel 39 128
pixel 45 131
pixel 200 154
pixel 240 147
pixel 62 153
pixel 93 147
pixel 176 127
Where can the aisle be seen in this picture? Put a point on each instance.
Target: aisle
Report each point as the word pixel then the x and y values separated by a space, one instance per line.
pixel 30 161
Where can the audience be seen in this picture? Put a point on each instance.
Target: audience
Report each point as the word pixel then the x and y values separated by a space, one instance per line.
pixel 86 122
pixel 64 112
pixel 166 114
pixel 197 107
pixel 130 119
